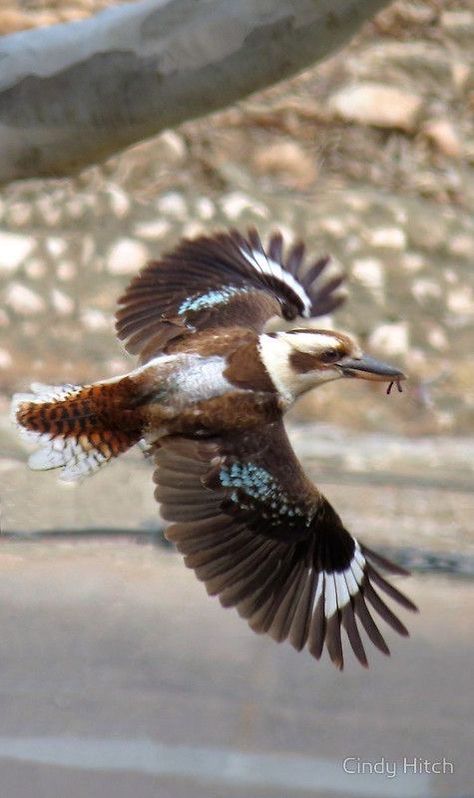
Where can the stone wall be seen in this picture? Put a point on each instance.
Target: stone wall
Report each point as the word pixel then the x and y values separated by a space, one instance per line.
pixel 369 156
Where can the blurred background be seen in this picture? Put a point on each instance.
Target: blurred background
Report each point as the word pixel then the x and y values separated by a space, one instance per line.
pixel 118 675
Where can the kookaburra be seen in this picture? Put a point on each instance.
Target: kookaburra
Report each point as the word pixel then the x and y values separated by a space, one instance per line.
pixel 208 397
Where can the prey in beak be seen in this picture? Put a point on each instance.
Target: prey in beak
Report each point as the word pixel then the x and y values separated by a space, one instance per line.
pixel 366 367
pixel 314 357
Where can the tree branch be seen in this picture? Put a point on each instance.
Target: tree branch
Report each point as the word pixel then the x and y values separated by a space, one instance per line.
pixel 74 94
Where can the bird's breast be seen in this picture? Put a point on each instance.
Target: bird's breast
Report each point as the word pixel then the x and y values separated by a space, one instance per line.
pixel 198 378
pixel 181 380
pixel 190 393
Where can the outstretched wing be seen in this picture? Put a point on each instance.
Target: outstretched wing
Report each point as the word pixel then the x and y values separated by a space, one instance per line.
pixel 260 536
pixel 218 281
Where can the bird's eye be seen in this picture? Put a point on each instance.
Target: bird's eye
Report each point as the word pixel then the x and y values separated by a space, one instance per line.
pixel 330 356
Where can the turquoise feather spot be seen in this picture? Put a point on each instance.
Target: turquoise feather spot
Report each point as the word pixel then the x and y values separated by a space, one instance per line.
pixel 209 300
pixel 257 483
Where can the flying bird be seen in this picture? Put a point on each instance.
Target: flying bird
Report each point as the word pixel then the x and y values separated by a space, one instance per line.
pixel 208 397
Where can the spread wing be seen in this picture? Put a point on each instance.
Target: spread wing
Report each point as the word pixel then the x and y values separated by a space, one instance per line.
pixel 260 536
pixel 219 281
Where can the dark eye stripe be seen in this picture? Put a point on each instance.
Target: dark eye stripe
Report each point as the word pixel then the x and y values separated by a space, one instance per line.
pixel 330 356
pixel 303 362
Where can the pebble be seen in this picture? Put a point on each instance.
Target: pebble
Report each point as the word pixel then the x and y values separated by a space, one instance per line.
pixel 19 214
pixel 451 276
pixel 418 59
pixel 13 250
pixel 55 246
pixel 369 271
pixel 12 20
pixel 205 208
pixel 442 133
pixel 42 19
pixel 174 145
pixel 88 245
pixel 173 204
pixel 332 225
pixel 94 319
pixel 23 300
pixel 462 245
pixel 358 202
pixel 412 261
pixel 193 230
pixel 6 359
pixel 400 214
pixel 49 212
pixel 461 301
pixel 352 245
pixel 391 339
pixel 287 159
pixel 457 21
pixel 378 105
pixel 119 201
pixel 235 203
pixel 75 207
pixel 66 270
pixel 425 289
pixel 437 338
pixel 126 256
pixel 460 72
pixel 387 238
pixel 35 268
pixel 153 230
pixel 62 303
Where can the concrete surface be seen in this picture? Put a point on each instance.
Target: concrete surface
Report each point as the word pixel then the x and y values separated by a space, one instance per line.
pixel 120 677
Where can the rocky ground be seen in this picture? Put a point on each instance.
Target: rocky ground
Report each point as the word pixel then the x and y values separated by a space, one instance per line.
pixel 369 156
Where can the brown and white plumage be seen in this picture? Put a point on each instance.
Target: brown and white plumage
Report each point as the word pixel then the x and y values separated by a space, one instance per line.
pixel 220 281
pixel 209 396
pixel 262 538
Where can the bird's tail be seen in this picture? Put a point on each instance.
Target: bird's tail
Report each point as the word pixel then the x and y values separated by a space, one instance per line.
pixel 77 428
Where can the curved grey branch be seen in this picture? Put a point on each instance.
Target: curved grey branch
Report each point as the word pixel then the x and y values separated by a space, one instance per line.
pixel 74 94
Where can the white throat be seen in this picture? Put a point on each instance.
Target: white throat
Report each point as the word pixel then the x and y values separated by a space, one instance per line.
pixel 275 354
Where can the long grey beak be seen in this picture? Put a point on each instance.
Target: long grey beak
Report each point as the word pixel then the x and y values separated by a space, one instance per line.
pixel 368 368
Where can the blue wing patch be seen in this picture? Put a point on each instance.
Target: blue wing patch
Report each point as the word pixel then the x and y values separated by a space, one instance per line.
pixel 254 482
pixel 210 299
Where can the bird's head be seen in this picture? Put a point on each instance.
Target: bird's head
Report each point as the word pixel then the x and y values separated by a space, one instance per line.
pixel 298 360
